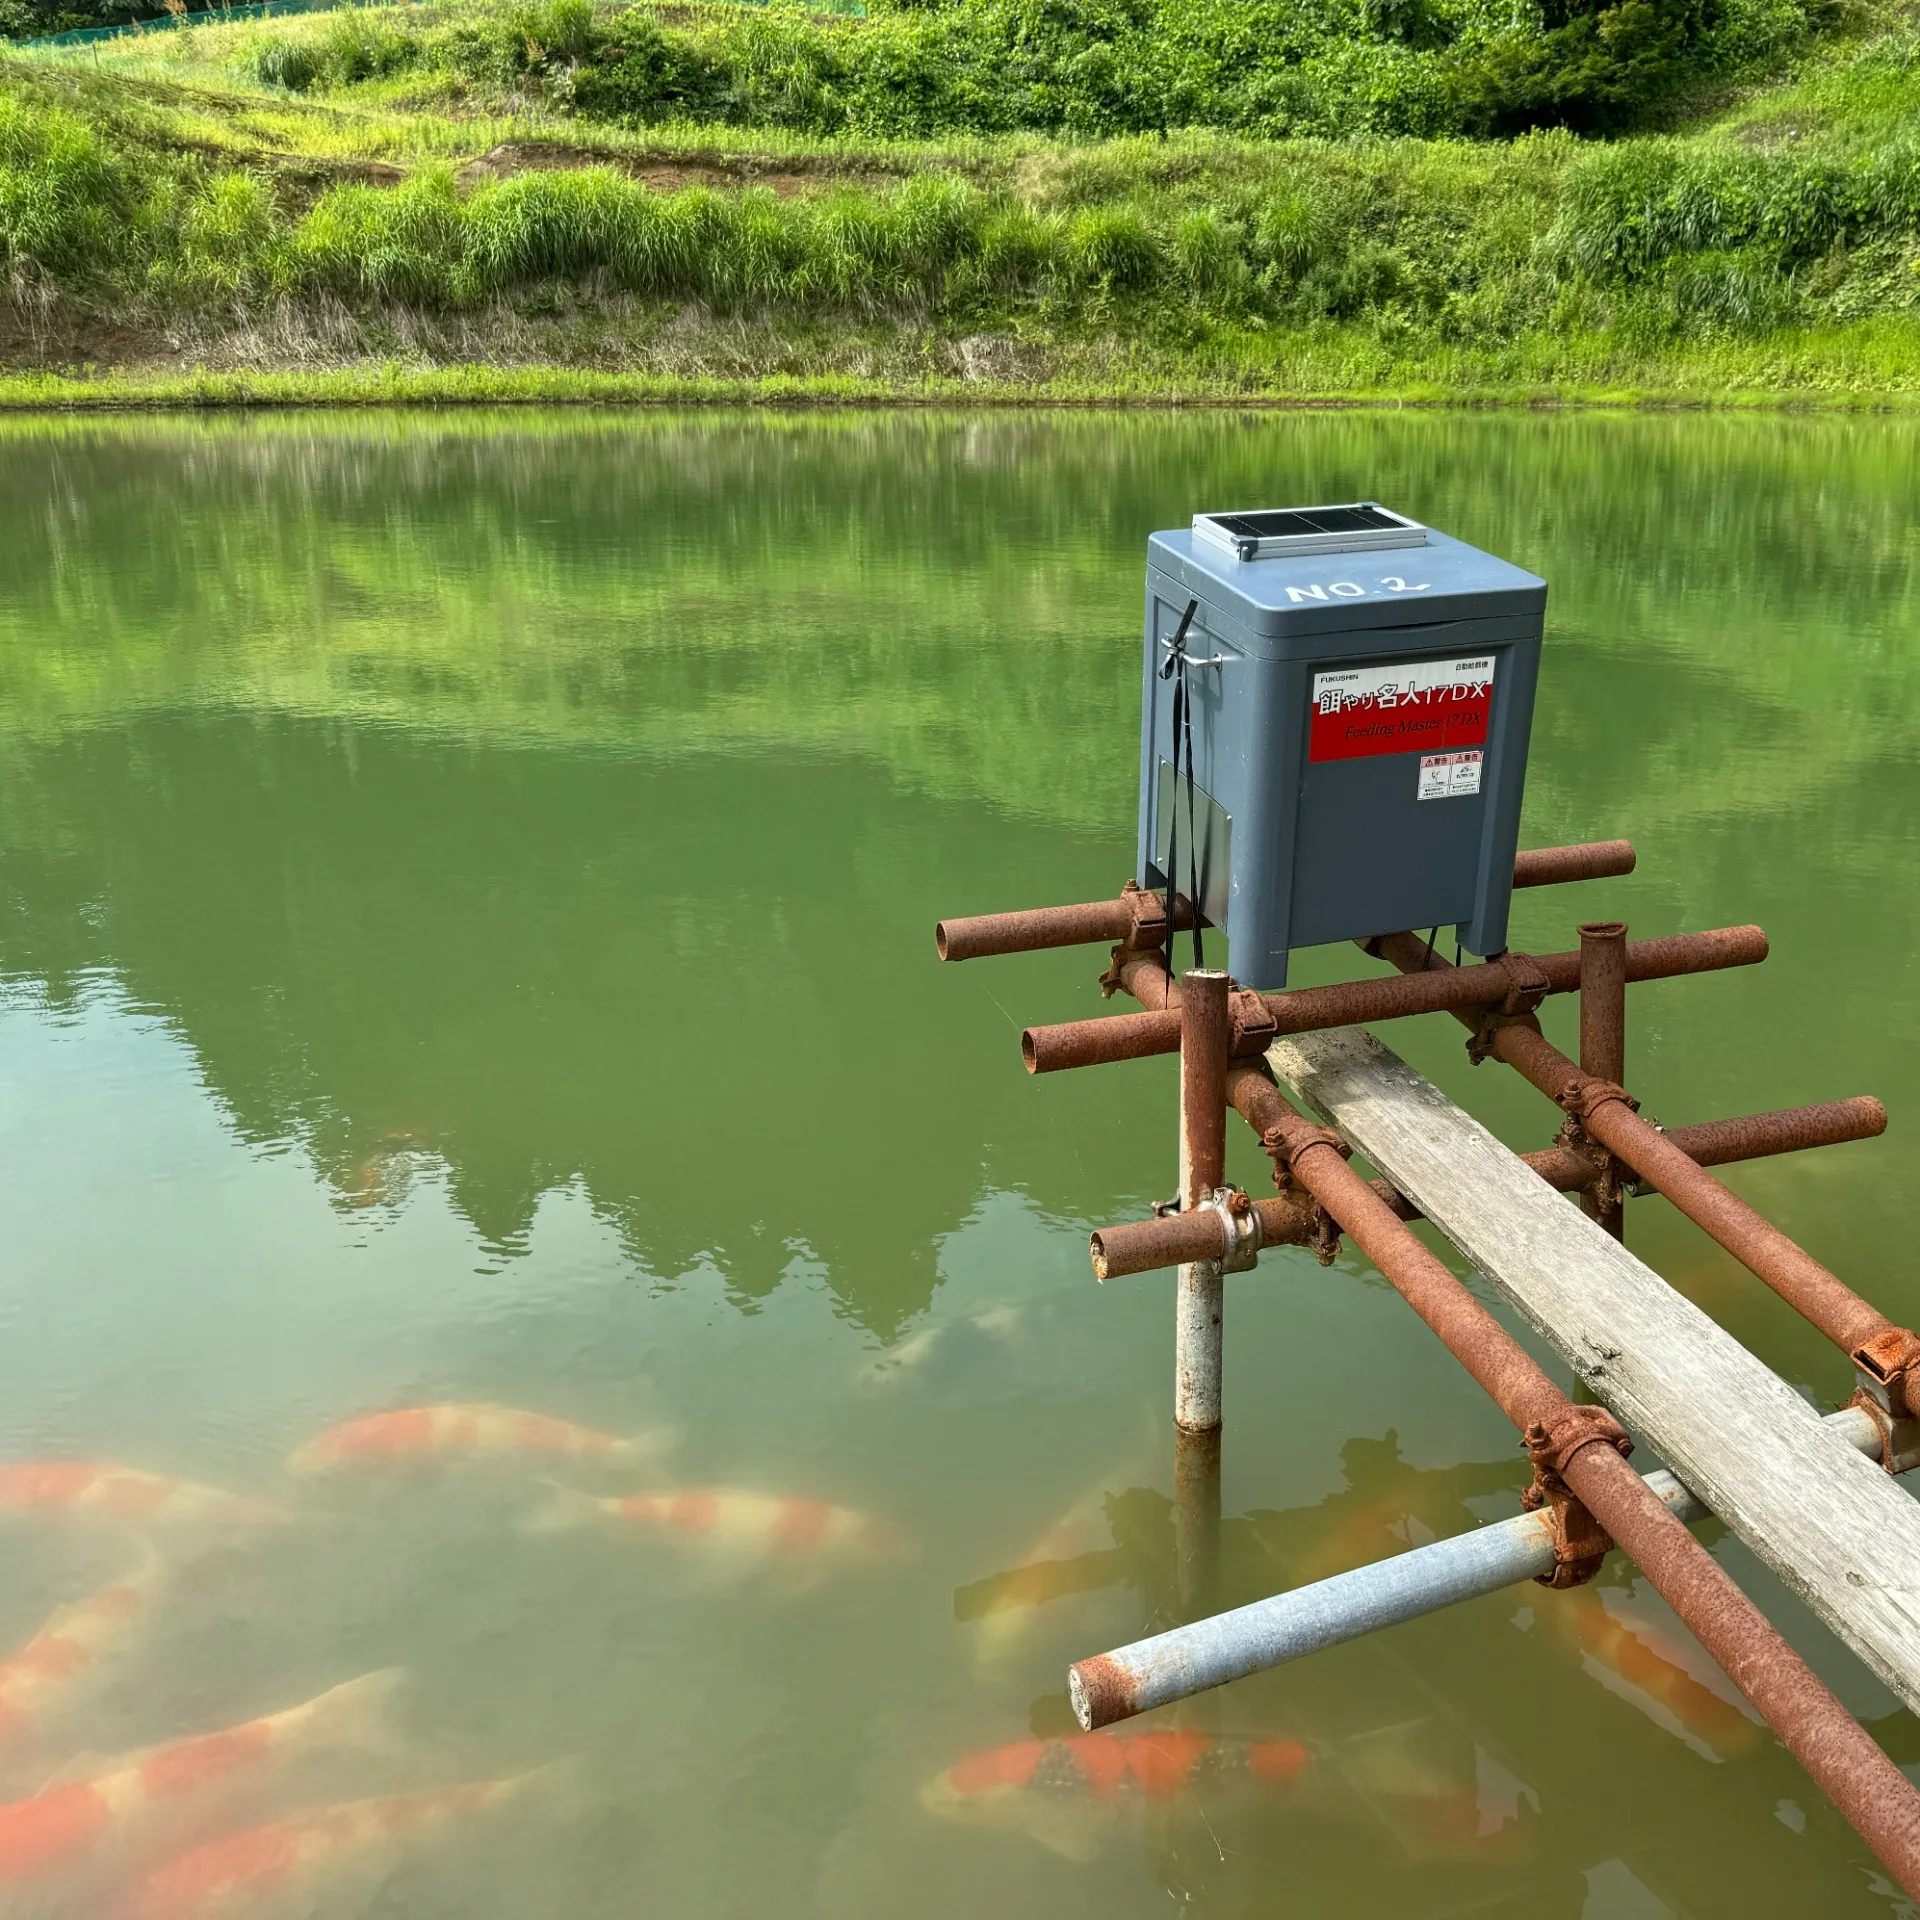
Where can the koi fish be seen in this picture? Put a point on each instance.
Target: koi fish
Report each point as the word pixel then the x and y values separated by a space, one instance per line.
pixel 373 1181
pixel 1068 1794
pixel 742 1527
pixel 1000 1322
pixel 71 1656
pixel 322 1856
pixel 416 1436
pixel 102 1490
pixel 119 1815
pixel 1649 1670
pixel 1076 1554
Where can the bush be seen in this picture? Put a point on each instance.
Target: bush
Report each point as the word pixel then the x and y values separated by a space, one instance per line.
pixel 291 64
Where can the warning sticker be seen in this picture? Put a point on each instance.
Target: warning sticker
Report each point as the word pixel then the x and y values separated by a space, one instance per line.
pixel 1446 776
pixel 1413 705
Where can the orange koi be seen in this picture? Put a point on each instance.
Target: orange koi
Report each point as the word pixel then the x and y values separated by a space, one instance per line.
pixel 102 1490
pixel 415 1436
pixel 1067 1793
pixel 744 1526
pixel 70 1657
pixel 313 1857
pixel 1650 1671
pixel 121 1814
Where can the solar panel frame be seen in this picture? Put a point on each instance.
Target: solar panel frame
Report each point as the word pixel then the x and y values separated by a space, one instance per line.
pixel 1273 533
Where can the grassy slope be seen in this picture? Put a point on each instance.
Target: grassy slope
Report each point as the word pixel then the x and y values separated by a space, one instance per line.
pixel 1478 295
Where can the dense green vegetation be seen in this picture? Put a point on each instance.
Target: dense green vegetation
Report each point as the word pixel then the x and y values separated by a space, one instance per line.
pixel 839 198
pixel 920 69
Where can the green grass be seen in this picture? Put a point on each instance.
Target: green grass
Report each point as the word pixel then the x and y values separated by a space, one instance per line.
pixel 158 212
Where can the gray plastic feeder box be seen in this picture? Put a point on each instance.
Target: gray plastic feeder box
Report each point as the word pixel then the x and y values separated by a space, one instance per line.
pixel 1360 690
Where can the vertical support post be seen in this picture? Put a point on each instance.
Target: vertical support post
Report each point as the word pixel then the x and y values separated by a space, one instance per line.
pixel 1603 1028
pixel 1205 1038
pixel 1204 1041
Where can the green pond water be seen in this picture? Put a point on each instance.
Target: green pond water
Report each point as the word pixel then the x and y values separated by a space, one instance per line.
pixel 466 894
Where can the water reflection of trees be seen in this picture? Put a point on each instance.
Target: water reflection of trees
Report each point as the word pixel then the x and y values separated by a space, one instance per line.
pixel 569 799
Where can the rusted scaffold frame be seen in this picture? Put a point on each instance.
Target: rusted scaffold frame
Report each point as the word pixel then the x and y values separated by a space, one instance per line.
pixel 1586 1497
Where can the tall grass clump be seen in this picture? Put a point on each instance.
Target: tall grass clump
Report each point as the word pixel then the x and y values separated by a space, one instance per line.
pixel 68 206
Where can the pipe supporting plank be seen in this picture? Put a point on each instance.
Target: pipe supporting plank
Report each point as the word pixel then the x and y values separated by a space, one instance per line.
pixel 1832 1526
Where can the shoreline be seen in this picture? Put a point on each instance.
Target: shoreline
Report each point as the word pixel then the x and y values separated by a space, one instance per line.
pixel 480 385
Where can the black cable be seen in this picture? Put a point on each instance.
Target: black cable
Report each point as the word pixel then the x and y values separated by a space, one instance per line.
pixel 1174 668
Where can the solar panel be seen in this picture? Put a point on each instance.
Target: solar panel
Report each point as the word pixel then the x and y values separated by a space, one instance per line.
pixel 1272 533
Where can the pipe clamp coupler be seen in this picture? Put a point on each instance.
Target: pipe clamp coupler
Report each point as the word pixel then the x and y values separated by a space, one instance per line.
pixel 1242 1235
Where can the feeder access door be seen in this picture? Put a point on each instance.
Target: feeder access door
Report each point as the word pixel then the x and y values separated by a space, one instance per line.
pixel 1356 692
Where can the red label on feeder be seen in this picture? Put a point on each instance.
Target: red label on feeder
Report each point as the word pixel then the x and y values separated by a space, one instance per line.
pixel 1413 706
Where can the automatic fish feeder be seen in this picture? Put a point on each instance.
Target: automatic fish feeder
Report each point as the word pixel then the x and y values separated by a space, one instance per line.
pixel 1334 728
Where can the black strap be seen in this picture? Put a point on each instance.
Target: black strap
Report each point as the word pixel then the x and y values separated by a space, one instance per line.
pixel 1174 667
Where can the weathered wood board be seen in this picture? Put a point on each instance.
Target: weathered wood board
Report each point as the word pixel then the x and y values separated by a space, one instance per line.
pixel 1831 1524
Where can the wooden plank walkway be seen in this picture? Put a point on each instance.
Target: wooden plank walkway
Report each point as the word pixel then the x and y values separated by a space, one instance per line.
pixel 1831 1524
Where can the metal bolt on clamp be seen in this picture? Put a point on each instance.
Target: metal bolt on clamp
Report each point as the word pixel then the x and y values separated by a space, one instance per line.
pixel 1240 1228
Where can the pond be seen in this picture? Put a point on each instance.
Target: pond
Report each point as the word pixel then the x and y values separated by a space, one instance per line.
pixel 466 895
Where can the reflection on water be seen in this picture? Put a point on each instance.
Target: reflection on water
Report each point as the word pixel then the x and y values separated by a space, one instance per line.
pixel 549 1365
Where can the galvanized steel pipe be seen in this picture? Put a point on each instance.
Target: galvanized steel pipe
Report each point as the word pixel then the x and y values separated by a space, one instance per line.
pixel 1201 1297
pixel 1210 1653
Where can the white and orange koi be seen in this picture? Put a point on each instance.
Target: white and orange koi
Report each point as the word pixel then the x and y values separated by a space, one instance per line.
pixel 1075 1554
pixel 1654 1673
pixel 1070 1794
pixel 322 1856
pixel 103 1490
pixel 419 1436
pixel 121 1815
pixel 66 1662
pixel 733 1525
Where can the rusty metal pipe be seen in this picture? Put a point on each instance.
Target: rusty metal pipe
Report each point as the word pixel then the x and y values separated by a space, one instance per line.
pixel 1094 921
pixel 1837 1752
pixel 1603 1037
pixel 1592 860
pixel 1355 1003
pixel 1142 1246
pixel 1810 1288
pixel 1201 1300
pixel 1087 924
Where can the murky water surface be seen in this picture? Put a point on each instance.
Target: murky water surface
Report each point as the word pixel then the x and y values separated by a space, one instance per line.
pixel 467 889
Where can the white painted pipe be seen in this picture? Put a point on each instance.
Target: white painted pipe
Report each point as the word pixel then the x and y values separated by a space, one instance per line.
pixel 1229 1646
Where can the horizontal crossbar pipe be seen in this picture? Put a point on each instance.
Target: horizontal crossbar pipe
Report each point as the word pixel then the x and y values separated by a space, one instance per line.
pixel 1210 1653
pixel 1358 1003
pixel 1091 923
pixel 1094 921
pixel 1809 1287
pixel 1141 1246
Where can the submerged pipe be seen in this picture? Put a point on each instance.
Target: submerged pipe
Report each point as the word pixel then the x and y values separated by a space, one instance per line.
pixel 1093 921
pixel 1141 1246
pixel 1229 1646
pixel 1358 1003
